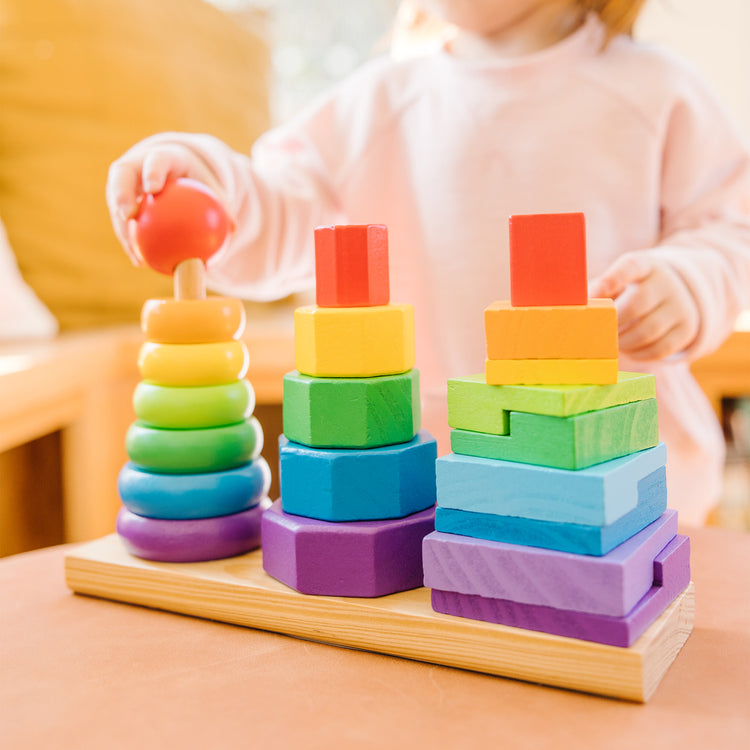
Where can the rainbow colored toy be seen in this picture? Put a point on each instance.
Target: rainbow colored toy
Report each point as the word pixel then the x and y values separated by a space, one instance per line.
pixel 195 485
pixel 552 509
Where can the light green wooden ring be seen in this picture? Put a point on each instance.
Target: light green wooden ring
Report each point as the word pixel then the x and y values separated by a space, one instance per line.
pixel 192 407
pixel 194 451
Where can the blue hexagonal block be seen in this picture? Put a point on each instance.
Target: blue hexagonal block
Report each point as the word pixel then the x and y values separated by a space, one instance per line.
pixel 393 481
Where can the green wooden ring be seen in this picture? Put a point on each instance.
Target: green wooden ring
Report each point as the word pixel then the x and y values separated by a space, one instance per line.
pixel 194 451
pixel 191 407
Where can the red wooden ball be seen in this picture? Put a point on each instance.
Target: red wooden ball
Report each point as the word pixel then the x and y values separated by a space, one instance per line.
pixel 184 220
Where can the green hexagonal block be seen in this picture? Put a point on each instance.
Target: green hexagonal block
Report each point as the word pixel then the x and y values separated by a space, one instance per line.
pixel 351 412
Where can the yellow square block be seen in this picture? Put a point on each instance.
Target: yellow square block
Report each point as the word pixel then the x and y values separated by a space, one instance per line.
pixel 552 332
pixel 551 371
pixel 354 342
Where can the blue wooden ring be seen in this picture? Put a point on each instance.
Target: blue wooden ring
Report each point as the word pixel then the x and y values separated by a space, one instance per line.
pixel 192 407
pixel 194 451
pixel 192 540
pixel 187 496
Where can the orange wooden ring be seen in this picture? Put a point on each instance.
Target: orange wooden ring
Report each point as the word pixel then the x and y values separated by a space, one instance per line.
pixel 193 364
pixel 192 321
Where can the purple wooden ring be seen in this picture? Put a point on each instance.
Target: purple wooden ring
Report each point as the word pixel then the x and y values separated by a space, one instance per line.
pixel 192 540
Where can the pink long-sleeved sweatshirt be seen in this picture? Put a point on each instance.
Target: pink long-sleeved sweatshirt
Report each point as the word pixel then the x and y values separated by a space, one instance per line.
pixel 443 150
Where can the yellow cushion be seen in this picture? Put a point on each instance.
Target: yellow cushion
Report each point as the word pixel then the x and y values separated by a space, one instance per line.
pixel 82 80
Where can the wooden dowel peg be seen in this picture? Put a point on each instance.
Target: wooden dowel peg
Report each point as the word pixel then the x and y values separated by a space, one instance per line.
pixel 190 279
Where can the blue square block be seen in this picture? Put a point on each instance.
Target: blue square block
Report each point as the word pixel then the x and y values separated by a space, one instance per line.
pixel 565 537
pixel 595 496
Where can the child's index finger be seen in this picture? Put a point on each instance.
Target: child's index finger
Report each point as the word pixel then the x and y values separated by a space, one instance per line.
pixel 629 269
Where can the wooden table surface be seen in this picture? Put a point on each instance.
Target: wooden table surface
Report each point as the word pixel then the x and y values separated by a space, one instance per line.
pixel 78 672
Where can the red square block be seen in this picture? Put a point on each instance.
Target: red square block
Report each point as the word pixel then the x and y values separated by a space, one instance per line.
pixel 548 259
pixel 351 266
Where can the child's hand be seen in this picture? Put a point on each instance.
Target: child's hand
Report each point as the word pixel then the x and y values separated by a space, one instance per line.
pixel 145 169
pixel 657 315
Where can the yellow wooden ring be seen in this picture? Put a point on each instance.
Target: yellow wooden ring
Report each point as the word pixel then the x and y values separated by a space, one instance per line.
pixel 192 321
pixel 193 364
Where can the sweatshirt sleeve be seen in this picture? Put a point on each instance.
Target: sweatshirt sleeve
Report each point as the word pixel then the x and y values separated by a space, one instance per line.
pixel 290 184
pixel 705 211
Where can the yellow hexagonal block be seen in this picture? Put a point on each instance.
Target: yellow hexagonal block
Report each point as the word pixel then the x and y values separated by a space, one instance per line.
pixel 353 342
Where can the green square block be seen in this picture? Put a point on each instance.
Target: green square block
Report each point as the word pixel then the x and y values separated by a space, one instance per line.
pixel 474 405
pixel 567 442
pixel 351 412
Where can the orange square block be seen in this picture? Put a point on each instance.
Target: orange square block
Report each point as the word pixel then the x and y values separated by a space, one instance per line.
pixel 351 266
pixel 552 332
pixel 548 259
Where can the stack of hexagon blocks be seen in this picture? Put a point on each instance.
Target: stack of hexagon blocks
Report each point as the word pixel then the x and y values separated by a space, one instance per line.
pixel 195 482
pixel 357 474
pixel 552 509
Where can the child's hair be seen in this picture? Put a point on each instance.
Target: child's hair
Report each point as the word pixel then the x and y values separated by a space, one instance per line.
pixel 415 29
pixel 617 15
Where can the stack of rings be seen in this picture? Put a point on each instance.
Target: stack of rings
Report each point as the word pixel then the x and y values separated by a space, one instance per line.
pixel 195 486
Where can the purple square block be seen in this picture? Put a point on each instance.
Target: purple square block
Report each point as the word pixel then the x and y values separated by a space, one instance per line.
pixel 671 577
pixel 608 585
pixel 353 558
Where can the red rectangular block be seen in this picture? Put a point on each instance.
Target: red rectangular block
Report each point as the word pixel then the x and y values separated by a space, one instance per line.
pixel 351 266
pixel 548 259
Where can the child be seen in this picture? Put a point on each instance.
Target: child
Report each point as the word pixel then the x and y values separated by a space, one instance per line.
pixel 531 106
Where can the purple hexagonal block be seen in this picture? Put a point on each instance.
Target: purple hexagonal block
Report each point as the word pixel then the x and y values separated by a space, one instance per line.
pixel 353 558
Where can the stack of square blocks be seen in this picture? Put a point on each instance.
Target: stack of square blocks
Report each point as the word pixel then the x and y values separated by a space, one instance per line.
pixel 552 509
pixel 357 474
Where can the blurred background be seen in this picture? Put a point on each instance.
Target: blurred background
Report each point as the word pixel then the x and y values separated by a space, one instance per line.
pixel 70 74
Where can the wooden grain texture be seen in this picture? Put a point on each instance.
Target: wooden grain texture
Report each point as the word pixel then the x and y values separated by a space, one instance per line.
pixel 354 342
pixel 672 576
pixel 565 537
pixel 351 412
pixel 548 259
pixel 238 591
pixel 551 371
pixel 595 496
pixel 474 405
pixel 567 442
pixel 608 585
pixel 551 332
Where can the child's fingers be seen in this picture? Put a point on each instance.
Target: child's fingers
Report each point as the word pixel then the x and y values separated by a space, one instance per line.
pixel 646 345
pixel 646 329
pixel 629 268
pixel 637 301
pixel 162 164
pixel 123 187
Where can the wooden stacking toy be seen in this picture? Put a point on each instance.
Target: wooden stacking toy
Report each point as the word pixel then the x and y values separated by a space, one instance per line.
pixel 551 554
pixel 552 508
pixel 357 474
pixel 195 486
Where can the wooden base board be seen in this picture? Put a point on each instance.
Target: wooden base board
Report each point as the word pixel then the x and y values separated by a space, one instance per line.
pixel 239 592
